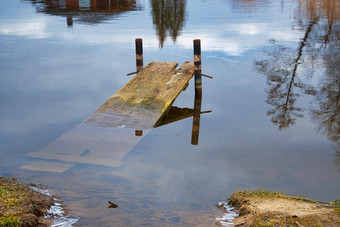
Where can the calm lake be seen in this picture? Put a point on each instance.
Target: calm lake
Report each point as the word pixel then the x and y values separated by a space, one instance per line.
pixel 270 117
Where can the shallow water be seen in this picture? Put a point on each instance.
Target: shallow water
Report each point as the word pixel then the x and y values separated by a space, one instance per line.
pixel 274 120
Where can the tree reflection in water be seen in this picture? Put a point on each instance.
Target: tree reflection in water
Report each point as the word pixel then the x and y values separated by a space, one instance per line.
pixel 327 110
pixel 168 18
pixel 289 71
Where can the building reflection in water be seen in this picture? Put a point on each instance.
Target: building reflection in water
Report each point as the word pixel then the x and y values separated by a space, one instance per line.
pixel 86 11
pixel 168 18
pixel 168 15
pixel 289 72
pixel 248 6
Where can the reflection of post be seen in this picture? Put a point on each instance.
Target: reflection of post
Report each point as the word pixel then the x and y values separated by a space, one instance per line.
pixel 197 116
pixel 69 21
pixel 198 93
pixel 197 61
pixel 139 67
pixel 138 132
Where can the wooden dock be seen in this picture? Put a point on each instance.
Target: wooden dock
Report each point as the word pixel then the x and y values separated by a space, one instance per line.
pixel 142 102
pixel 109 134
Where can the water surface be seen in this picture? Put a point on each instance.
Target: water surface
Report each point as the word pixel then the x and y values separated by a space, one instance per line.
pixel 274 101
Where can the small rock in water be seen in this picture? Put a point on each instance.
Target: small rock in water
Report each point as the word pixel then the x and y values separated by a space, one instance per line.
pixel 112 204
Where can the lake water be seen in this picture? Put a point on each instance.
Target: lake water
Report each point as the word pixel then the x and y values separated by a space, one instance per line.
pixel 275 104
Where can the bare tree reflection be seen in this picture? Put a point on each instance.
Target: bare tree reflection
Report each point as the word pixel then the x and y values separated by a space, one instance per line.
pixel 168 18
pixel 285 82
pixel 337 155
pixel 282 79
pixel 289 72
pixel 328 97
pixel 323 48
pixel 327 112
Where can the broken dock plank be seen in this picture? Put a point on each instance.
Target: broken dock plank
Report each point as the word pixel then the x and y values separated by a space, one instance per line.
pixel 145 98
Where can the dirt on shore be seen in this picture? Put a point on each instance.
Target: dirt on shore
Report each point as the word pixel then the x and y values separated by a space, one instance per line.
pixel 265 208
pixel 20 205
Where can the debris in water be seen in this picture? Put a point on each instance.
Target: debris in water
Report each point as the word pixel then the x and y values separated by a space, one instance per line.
pixel 112 205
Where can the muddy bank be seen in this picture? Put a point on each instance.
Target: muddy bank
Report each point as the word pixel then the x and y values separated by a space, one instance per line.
pixel 266 208
pixel 20 205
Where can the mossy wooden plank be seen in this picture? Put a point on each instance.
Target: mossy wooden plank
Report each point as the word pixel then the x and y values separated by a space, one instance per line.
pixel 145 98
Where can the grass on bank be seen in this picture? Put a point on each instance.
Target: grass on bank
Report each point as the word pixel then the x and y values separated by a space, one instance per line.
pixel 20 205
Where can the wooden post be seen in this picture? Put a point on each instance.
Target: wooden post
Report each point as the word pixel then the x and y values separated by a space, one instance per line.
pixel 198 92
pixel 139 55
pixel 139 67
pixel 198 67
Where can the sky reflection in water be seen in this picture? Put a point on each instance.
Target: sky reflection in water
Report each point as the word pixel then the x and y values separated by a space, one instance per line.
pixel 275 65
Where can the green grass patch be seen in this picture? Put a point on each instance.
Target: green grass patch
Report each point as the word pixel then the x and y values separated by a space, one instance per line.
pixel 336 203
pixel 277 194
pixel 10 221
pixel 258 193
pixel 20 205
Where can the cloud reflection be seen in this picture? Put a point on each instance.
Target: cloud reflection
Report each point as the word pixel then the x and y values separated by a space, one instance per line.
pixel 34 28
pixel 291 72
pixel 234 38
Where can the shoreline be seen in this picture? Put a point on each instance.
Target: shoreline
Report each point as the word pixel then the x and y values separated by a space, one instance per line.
pixel 23 205
pixel 267 208
pixel 30 205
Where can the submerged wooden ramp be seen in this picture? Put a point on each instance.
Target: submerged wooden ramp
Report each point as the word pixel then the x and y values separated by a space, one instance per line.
pixel 86 144
pixel 142 102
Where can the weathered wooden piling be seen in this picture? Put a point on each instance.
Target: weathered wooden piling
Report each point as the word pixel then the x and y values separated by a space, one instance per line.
pixel 139 54
pixel 198 67
pixel 139 67
pixel 198 92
